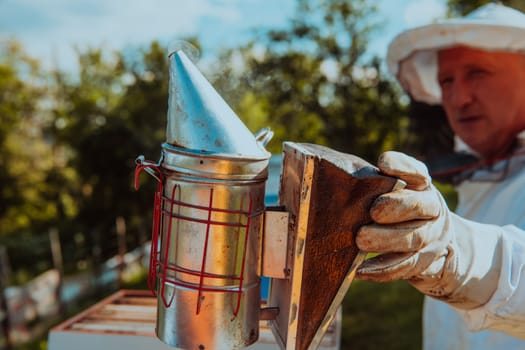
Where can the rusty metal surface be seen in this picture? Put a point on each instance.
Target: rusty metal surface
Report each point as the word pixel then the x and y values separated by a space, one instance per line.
pixel 327 194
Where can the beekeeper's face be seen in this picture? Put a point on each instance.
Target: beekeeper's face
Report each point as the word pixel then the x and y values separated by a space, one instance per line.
pixel 483 94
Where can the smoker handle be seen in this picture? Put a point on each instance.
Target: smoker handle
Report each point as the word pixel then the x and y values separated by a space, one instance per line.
pixel 264 136
pixel 151 168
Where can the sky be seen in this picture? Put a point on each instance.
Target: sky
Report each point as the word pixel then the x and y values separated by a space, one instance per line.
pixel 51 30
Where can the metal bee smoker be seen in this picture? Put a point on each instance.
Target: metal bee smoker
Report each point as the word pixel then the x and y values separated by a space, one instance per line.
pixel 207 218
pixel 213 238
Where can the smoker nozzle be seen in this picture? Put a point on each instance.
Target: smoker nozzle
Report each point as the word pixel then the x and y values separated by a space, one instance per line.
pixel 199 120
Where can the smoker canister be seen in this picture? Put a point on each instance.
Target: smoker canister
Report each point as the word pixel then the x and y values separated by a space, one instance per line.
pixel 204 264
pixel 208 283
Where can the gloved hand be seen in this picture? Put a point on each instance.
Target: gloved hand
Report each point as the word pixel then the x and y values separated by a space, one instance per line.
pixel 421 241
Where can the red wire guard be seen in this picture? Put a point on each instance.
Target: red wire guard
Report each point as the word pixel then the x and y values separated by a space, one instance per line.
pixel 168 208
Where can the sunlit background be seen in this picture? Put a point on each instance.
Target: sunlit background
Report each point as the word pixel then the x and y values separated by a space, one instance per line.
pixel 51 30
pixel 84 90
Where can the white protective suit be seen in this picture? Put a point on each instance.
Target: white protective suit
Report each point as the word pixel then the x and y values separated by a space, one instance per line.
pixel 412 59
pixel 498 199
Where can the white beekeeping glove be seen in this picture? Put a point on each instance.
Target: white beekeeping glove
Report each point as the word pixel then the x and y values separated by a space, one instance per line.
pixel 421 241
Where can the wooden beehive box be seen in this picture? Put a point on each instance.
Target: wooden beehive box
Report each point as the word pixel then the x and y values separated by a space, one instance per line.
pixel 126 320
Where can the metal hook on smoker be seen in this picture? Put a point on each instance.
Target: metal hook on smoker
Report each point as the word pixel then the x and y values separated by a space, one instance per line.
pixel 264 135
pixel 150 167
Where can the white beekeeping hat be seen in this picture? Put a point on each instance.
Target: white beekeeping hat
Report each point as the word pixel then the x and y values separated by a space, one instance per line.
pixel 412 55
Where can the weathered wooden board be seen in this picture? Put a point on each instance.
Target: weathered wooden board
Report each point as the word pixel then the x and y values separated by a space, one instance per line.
pixel 126 320
pixel 328 195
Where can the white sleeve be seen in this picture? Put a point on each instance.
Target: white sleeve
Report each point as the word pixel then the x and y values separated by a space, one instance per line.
pixel 505 311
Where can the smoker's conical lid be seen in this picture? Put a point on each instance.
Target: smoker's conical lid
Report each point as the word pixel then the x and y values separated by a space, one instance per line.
pixel 199 120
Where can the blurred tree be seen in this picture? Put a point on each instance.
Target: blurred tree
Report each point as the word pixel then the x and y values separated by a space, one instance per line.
pixel 81 113
pixel 113 113
pixel 68 148
pixel 11 102
pixel 462 7
pixel 26 161
pixel 312 82
pixel 25 156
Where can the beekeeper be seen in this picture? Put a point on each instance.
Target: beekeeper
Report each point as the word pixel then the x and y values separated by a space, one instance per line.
pixel 472 262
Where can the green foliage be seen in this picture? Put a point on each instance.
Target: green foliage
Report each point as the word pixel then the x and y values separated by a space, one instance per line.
pixel 113 113
pixel 449 193
pixel 25 157
pixel 382 316
pixel 462 7
pixel 68 152
pixel 310 82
